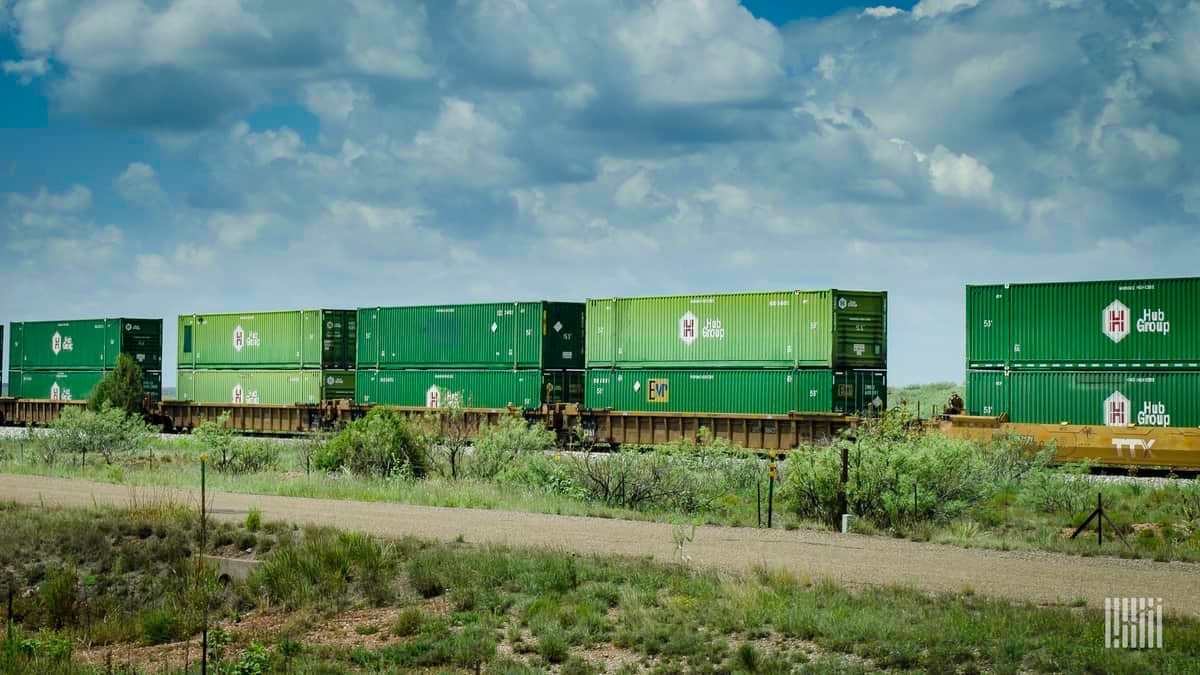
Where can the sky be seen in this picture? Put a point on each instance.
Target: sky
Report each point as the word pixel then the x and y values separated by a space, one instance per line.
pixel 160 157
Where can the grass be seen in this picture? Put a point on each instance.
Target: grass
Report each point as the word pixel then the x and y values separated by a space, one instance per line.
pixel 929 399
pixel 513 610
pixel 1162 522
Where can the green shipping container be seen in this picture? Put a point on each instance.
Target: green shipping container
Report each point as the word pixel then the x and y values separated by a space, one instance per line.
pixel 733 391
pixel 265 387
pixel 511 335
pixel 481 388
pixel 90 344
pixel 70 385
pixel 785 329
pixel 1146 399
pixel 294 339
pixel 1143 324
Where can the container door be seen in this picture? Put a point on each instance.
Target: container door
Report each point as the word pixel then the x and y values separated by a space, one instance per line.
pixel 989 393
pixel 601 324
pixel 988 329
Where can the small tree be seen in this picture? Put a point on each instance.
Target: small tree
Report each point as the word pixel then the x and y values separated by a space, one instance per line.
pixel 454 432
pixel 110 431
pixel 216 437
pixel 122 387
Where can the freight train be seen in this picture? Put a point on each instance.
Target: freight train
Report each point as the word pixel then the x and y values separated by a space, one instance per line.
pixel 1106 370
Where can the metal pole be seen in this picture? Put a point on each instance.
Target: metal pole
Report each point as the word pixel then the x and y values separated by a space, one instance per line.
pixel 845 478
pixel 1100 520
pixel 770 502
pixel 200 577
pixel 758 501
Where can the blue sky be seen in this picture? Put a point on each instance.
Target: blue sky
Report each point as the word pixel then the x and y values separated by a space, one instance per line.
pixel 168 156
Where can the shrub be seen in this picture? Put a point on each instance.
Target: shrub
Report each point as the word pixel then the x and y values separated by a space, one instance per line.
pixel 121 388
pixel 383 444
pixel 108 432
pixel 58 596
pixel 253 520
pixel 409 622
pixel 250 456
pixel 327 568
pixel 632 479
pixel 217 438
pixel 499 445
pixel 161 625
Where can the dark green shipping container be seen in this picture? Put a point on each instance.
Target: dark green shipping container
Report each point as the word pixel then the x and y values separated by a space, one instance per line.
pixel 90 344
pixel 1147 398
pixel 1139 324
pixel 734 391
pixel 510 335
pixel 481 388
pixel 265 387
pixel 285 340
pixel 70 385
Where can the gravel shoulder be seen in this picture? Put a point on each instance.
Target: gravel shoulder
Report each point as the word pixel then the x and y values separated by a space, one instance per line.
pixel 1042 578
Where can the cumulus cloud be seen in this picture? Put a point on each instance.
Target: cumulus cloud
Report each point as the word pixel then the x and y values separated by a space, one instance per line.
pixel 931 8
pixel 700 52
pixel 881 12
pixel 138 184
pixel 673 145
pixel 25 70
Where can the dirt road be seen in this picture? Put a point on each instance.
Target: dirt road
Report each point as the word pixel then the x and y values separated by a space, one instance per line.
pixel 856 560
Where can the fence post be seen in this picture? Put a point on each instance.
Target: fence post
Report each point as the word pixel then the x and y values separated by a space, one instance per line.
pixel 200 575
pixel 845 478
pixel 771 490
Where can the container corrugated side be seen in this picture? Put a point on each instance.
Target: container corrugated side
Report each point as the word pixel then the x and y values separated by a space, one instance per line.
pixel 87 344
pixel 1145 398
pixel 291 339
pixel 434 388
pixel 265 387
pixel 513 335
pixel 1139 324
pixel 70 385
pixel 733 391
pixel 739 330
pixel 988 393
pixel 987 327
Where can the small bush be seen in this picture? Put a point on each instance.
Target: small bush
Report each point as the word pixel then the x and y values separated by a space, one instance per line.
pixel 552 645
pixel 499 445
pixel 381 444
pixel 58 596
pixel 161 625
pixel 121 388
pixel 254 520
pixel 251 456
pixel 329 569
pixel 107 432
pixel 409 622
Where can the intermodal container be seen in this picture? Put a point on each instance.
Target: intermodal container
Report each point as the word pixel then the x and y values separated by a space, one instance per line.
pixel 784 329
pixel 265 387
pixel 1145 398
pixel 480 388
pixel 1140 324
pixel 70 385
pixel 759 391
pixel 511 335
pixel 90 344
pixel 294 339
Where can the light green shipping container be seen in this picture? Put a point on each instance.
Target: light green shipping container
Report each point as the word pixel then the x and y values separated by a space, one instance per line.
pixel 785 329
pixel 70 385
pixel 1146 398
pixel 265 387
pixel 509 335
pixel 294 339
pixel 480 388
pixel 1139 324
pixel 88 344
pixel 734 391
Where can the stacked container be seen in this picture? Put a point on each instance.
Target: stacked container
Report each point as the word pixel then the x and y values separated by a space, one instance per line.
pixel 1115 353
pixel 753 353
pixel 65 360
pixel 489 355
pixel 277 358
